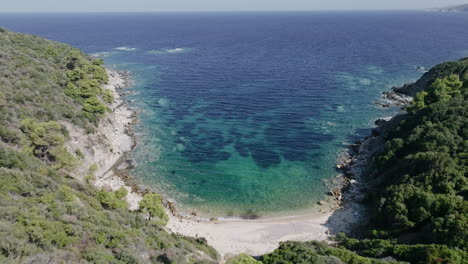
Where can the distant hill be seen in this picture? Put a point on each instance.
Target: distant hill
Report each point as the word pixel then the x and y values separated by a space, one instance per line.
pixel 458 8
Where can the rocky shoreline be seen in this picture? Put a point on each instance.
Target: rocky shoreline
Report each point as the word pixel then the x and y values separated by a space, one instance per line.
pixel 354 164
pixel 105 161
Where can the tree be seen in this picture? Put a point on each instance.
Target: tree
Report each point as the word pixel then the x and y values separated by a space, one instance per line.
pixel 113 200
pixel 151 204
pixel 75 59
pixel 291 253
pixel 444 89
pixel 418 103
pixel 242 259
pixel 93 106
pixel 45 140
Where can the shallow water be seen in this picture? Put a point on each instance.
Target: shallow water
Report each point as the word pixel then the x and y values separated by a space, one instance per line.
pixel 248 112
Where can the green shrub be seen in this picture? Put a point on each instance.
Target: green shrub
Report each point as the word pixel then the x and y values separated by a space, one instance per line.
pixel 291 253
pixel 108 96
pixel 315 252
pixel 417 254
pixel 45 140
pixel 113 200
pixel 84 81
pixel 66 193
pixel 151 204
pixel 242 259
pixel 8 136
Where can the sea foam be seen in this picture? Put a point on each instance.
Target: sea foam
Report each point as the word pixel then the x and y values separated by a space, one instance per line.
pixel 125 48
pixel 165 51
pixel 100 54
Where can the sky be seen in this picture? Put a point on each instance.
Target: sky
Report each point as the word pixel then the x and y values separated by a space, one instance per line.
pixel 214 5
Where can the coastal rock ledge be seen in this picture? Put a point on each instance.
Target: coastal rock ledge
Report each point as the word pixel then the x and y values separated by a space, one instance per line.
pixel 110 142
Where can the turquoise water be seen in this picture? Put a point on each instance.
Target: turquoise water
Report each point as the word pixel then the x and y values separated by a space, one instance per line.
pixel 248 112
pixel 275 161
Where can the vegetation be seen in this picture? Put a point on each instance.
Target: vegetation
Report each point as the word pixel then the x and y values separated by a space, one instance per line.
pixel 315 253
pixel 438 72
pixel 423 171
pixel 242 259
pixel 420 195
pixel 48 216
pixel 49 81
pixel 419 254
pixel 45 140
pixel 442 90
pixel 151 204
pixel 113 200
pixel 84 81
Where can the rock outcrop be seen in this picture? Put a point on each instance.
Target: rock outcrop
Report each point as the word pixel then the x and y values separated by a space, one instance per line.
pixel 112 139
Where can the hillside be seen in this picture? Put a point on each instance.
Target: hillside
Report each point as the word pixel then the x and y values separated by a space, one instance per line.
pixel 50 213
pixel 443 70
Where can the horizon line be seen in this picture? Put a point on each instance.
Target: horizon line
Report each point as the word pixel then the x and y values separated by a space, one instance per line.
pixel 212 11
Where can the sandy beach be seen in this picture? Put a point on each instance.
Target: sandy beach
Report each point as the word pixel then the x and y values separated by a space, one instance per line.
pixel 254 237
pixel 260 236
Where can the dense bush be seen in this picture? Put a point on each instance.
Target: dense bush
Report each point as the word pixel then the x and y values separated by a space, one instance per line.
pixel 440 71
pixel 417 254
pixel 151 204
pixel 424 167
pixel 45 140
pixel 113 200
pixel 420 180
pixel 242 259
pixel 442 90
pixel 84 82
pixel 315 253
pixel 69 221
pixel 291 253
pixel 48 81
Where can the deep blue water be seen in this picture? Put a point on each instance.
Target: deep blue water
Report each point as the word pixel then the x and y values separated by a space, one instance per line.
pixel 249 111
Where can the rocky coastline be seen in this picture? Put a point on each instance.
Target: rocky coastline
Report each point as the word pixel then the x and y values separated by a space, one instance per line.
pixel 105 160
pixel 354 164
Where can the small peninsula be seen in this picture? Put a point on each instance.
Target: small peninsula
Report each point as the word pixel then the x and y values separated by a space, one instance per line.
pixel 68 196
pixel 457 8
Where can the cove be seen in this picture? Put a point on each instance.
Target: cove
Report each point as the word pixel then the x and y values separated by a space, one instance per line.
pixel 245 114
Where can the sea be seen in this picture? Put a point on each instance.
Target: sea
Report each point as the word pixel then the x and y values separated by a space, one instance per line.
pixel 248 113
